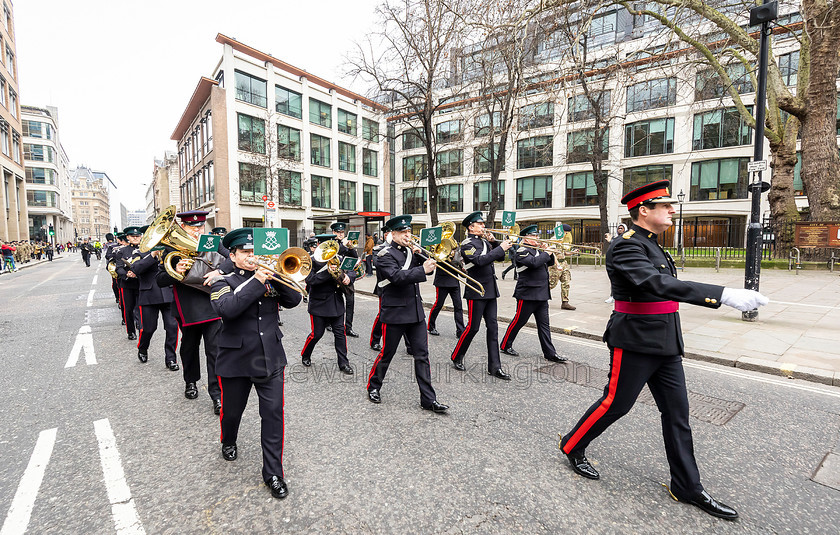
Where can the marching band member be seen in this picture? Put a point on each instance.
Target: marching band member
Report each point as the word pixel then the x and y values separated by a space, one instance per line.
pixel 350 290
pixel 326 307
pixel 376 330
pixel 479 256
pixel 446 286
pixel 129 283
pixel 532 294
pixel 402 312
pixel 251 353
pixel 155 300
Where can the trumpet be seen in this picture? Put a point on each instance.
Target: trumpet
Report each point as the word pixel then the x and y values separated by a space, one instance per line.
pixel 440 254
pixel 290 268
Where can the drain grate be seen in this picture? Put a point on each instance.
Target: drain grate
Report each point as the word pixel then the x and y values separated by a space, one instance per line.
pixel 705 408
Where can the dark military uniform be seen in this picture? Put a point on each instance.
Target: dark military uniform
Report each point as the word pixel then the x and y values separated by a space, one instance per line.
pixel 479 255
pixel 129 286
pixel 447 286
pixel 326 307
pixel 376 330
pixel 349 291
pixel 402 313
pixel 532 294
pixel 251 354
pixel 110 254
pixel 155 300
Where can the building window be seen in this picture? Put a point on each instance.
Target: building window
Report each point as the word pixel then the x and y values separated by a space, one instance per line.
pixel 533 192
pixel 481 159
pixel 448 131
pixel 209 126
pixel 581 109
pixel 320 113
pixel 38 153
pixel 414 168
pixel 411 140
pixel 482 194
pixel 10 61
pixel 789 68
pixel 370 162
pixel 346 195
pixel 450 198
pixel 347 122
pixel 536 115
pixel 414 200
pixel 251 182
pixel 37 129
pixel 646 138
pixel 652 94
pixel 370 198
pixel 534 152
pixel 719 179
pixel 346 157
pixel 288 102
pixel 288 186
pixel 250 89
pixel 211 181
pixel 39 175
pixel 709 85
pixel 720 128
pixel 4 136
pixel 483 126
pixel 580 145
pixel 251 134
pixel 2 91
pixel 288 143
pixel 635 177
pixel 320 150
pixel 370 129
pixel 16 148
pixel 580 189
pixel 321 192
pixel 450 163
pixel 13 103
pixel 42 198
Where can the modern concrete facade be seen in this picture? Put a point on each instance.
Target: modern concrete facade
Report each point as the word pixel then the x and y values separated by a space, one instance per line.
pixel 15 224
pixel 48 186
pixel 321 142
pixel 136 218
pixel 165 188
pixel 91 204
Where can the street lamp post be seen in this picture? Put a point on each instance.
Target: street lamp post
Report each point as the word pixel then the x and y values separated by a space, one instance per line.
pixel 681 198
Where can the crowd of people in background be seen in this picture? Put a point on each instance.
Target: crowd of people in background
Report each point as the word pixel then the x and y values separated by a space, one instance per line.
pixel 19 252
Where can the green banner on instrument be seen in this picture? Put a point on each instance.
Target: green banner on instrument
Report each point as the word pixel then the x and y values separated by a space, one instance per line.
pixel 157 248
pixel 508 218
pixel 208 243
pixel 348 264
pixel 270 241
pixel 353 235
pixel 431 236
pixel 559 232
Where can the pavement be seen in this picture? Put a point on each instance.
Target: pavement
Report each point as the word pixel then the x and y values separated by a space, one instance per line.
pixel 796 334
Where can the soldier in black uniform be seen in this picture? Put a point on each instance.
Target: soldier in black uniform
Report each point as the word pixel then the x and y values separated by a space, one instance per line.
pixel 251 353
pixel 326 307
pixel 479 256
pixel 219 231
pixel 402 312
pixel 155 300
pixel 129 283
pixel 646 345
pixel 111 248
pixel 349 290
pixel 376 330
pixel 532 295
pixel 447 286
pixel 196 317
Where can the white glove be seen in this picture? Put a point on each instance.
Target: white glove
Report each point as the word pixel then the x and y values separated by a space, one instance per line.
pixel 743 299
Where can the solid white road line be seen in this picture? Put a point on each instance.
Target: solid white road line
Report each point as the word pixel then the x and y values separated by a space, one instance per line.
pixel 95 277
pixel 90 298
pixel 119 495
pixel 84 342
pixel 20 511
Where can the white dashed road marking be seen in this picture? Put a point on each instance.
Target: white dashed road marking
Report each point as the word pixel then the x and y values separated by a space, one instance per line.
pixel 20 511
pixel 119 495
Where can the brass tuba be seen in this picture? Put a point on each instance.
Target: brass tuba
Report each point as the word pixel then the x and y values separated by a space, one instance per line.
pixel 164 231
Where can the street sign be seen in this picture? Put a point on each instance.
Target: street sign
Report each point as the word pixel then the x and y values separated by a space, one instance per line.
pixel 265 198
pixel 756 166
pixel 270 204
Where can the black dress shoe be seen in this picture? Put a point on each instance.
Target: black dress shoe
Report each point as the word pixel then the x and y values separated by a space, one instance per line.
pixel 229 452
pixel 373 395
pixel 132 336
pixel 346 370
pixel 434 332
pixel 582 466
pixel 280 323
pixel 173 366
pixel 500 374
pixel 710 505
pixel 306 361
pixel 278 487
pixel 329 328
pixel 351 333
pixel 510 351
pixel 557 358
pixel 142 356
pixel 376 346
pixel 122 322
pixel 217 407
pixel 439 408
pixel 190 391
pixel 458 363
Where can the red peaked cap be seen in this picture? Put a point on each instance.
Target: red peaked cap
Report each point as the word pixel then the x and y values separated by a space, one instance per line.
pixel 655 192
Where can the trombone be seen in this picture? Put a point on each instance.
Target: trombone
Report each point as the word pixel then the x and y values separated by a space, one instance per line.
pixel 290 268
pixel 440 254
pixel 513 235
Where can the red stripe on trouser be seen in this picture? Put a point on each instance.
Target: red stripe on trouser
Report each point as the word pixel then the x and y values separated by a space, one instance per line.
pixel 602 409
pixel 512 324
pixel 311 335
pixel 437 298
pixel 379 356
pixel 141 327
pixel 372 329
pixel 122 302
pixel 466 329
pixel 221 412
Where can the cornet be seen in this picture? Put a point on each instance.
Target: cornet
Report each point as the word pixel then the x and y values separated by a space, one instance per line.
pixel 290 268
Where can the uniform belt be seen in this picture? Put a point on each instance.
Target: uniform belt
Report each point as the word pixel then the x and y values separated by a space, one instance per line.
pixel 654 307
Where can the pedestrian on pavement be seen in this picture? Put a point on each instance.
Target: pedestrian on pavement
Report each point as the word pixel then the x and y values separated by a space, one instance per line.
pixel 646 345
pixel 86 249
pixel 513 259
pixel 8 251
pixel 49 251
pixel 251 353
pixel 368 254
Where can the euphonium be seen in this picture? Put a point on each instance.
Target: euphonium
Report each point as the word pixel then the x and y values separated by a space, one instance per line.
pixel 327 253
pixel 164 231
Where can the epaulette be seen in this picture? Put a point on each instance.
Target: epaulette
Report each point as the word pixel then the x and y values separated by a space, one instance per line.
pixel 384 251
pixel 466 241
pixel 627 235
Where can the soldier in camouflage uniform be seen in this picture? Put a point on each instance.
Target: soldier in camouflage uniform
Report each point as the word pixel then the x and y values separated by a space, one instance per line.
pixel 565 274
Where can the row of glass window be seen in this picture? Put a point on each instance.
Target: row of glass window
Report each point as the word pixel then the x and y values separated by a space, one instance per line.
pixel 48 199
pixel 197 145
pixel 37 129
pixel 252 90
pixel 200 188
pixel 40 175
pixel 10 144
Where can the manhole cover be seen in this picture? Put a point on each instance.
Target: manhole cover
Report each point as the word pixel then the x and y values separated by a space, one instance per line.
pixel 705 408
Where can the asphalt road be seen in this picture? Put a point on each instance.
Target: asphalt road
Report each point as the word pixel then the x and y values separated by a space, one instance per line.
pixel 121 449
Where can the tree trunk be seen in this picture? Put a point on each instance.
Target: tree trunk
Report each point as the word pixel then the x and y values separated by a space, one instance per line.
pixel 780 197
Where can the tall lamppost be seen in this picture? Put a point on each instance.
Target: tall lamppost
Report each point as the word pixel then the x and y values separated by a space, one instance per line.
pixel 681 198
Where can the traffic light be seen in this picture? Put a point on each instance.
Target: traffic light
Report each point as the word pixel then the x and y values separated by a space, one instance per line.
pixel 52 230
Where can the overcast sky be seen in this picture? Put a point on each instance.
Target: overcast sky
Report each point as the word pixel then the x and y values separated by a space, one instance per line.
pixel 121 73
